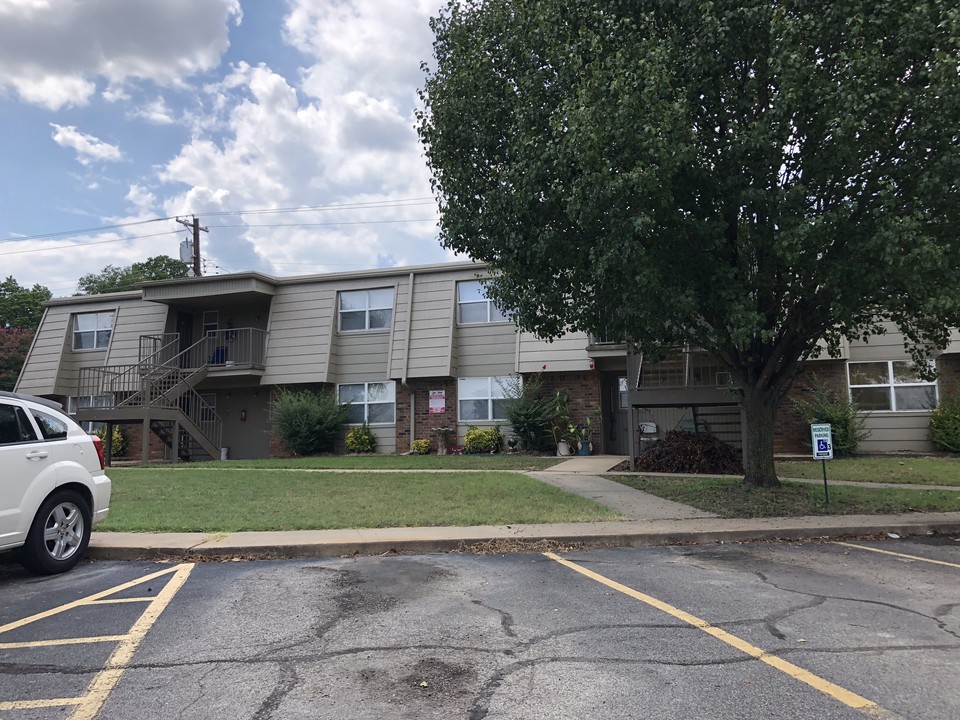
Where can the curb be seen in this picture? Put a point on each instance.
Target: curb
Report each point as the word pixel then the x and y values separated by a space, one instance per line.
pixel 513 543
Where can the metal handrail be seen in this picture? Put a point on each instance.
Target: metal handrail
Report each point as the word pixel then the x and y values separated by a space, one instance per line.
pixel 158 349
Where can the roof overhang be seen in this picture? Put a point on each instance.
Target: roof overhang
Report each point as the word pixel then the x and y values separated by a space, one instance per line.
pixel 238 286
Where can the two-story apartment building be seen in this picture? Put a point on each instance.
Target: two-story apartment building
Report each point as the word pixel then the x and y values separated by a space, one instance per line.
pixel 189 366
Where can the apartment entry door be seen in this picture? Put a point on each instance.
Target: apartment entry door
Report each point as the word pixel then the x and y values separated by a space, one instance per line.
pixel 616 414
pixel 185 329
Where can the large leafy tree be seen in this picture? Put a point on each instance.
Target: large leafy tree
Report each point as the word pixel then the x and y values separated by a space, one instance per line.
pixel 21 309
pixel 750 176
pixel 116 279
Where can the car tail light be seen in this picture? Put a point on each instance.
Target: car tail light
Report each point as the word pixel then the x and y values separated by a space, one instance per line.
pixel 98 444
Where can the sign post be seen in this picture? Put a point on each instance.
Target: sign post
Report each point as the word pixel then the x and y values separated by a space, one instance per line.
pixel 822 436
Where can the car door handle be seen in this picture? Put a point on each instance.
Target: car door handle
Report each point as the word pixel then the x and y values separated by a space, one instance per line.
pixel 37 455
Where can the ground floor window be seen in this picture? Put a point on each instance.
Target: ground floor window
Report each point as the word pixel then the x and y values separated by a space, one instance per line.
pixel 893 385
pixel 370 402
pixel 82 402
pixel 482 399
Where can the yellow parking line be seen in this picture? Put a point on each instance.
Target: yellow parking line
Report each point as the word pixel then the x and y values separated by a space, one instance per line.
pixel 61 641
pixel 103 683
pixel 896 554
pixel 119 601
pixel 35 704
pixel 848 698
pixel 85 601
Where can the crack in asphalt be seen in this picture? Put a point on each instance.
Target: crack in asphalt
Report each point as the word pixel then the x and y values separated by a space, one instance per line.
pixel 285 685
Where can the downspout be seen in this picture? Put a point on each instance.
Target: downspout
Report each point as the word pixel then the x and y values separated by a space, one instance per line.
pixel 406 359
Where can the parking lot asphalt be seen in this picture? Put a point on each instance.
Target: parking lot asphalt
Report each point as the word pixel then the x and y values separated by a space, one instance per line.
pixel 650 520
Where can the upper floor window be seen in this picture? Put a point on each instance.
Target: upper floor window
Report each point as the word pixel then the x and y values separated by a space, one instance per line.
pixel 370 402
pixel 482 398
pixel 91 331
pixel 366 309
pixel 890 385
pixel 473 306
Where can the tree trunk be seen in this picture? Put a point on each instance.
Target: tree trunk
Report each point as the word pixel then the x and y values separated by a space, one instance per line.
pixel 758 410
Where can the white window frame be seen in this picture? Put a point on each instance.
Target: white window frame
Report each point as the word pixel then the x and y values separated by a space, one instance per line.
pixel 494 391
pixel 891 386
pixel 366 402
pixel 491 312
pixel 366 308
pixel 82 402
pixel 97 330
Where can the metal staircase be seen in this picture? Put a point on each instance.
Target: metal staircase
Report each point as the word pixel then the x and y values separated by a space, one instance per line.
pixel 160 392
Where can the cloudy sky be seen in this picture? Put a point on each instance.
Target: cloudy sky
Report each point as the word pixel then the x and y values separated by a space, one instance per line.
pixel 287 126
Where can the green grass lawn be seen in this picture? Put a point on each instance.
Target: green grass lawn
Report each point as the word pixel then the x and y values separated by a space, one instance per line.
pixel 727 497
pixel 195 499
pixel 914 470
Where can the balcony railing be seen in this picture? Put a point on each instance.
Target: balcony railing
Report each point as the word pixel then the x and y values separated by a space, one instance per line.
pixel 231 348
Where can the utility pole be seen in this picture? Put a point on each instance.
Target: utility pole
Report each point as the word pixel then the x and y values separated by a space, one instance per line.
pixel 195 227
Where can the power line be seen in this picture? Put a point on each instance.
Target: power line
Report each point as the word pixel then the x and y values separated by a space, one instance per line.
pixel 345 222
pixel 369 205
pixel 83 245
pixel 61 233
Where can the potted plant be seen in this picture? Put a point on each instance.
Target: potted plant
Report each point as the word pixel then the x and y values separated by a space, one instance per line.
pixel 583 432
pixel 560 424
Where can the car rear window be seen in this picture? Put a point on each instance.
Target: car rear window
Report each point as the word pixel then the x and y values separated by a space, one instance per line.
pixel 52 428
pixel 15 427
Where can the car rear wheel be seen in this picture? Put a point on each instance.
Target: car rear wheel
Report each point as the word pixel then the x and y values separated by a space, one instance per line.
pixel 59 534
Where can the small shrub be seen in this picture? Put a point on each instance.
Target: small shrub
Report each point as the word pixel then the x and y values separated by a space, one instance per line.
pixel 482 440
pixel 686 452
pixel 527 412
pixel 421 447
pixel 945 424
pixel 118 441
pixel 826 405
pixel 307 422
pixel 361 440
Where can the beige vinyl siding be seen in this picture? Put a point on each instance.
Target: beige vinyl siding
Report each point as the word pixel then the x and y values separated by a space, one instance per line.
pixel 486 350
pixel 246 439
pixel 954 346
pixel 431 351
pixel 42 364
pixel 844 351
pixel 133 320
pixel 893 432
pixel 566 354
pixel 880 347
pixel 360 356
pixel 302 323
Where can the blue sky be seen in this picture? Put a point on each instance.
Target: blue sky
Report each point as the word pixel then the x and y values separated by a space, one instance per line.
pixel 117 112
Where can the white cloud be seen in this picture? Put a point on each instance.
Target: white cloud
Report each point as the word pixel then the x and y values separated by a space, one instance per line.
pixel 155 112
pixel 88 148
pixel 52 53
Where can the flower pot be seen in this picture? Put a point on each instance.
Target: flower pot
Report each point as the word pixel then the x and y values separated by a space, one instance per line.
pixel 585 447
pixel 563 448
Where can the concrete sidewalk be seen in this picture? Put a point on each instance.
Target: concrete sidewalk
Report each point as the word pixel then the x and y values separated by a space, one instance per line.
pixel 650 520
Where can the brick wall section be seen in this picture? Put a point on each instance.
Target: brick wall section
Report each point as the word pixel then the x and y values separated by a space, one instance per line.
pixel 583 390
pixel 789 432
pixel 425 423
pixel 133 432
pixel 949 369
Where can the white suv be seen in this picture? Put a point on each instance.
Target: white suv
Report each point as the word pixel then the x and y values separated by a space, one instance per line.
pixel 52 484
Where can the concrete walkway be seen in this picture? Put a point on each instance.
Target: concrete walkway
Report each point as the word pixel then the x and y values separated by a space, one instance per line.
pixel 650 521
